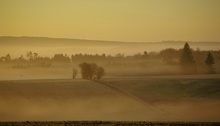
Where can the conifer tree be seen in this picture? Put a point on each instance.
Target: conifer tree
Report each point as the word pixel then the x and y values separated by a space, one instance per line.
pixel 187 61
pixel 209 62
pixel 186 57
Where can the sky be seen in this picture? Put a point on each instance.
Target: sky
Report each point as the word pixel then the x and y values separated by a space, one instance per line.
pixel 118 20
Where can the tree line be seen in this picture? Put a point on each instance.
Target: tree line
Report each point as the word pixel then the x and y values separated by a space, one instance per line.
pixel 188 63
pixel 185 57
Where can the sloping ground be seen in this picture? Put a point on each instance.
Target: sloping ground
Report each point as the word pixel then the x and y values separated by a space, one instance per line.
pixel 158 98
pixel 191 98
pixel 58 100
pixel 55 100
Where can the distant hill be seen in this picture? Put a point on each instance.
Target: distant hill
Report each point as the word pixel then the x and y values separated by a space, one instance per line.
pixel 49 46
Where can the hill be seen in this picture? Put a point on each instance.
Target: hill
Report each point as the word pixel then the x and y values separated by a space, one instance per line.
pixel 49 46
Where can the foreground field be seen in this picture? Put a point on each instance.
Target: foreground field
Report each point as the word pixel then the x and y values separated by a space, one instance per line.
pixel 158 98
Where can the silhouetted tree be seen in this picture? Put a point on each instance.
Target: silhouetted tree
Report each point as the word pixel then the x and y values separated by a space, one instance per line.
pixel 21 58
pixel 20 62
pixel 169 55
pixel 35 55
pixel 187 61
pixel 103 56
pixel 198 56
pixel 145 54
pixel 209 62
pixel 100 73
pixel 43 62
pixel 61 58
pixel 119 56
pixel 91 71
pixel 7 58
pixel 137 56
pixel 74 73
pixel 186 57
pixel 153 54
pixel 85 70
pixel 29 55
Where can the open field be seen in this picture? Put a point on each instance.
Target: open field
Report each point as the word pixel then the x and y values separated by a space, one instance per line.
pixel 190 98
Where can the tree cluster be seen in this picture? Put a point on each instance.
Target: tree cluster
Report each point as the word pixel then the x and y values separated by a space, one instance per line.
pixel 61 58
pixel 188 63
pixel 91 71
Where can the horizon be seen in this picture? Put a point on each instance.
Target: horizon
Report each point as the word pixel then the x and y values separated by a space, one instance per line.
pixel 128 21
pixel 47 46
pixel 108 40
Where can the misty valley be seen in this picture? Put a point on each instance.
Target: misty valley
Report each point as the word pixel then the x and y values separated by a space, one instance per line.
pixel 170 85
pixel 168 61
pixel 109 63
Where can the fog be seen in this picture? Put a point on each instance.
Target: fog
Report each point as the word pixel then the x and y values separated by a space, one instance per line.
pixel 66 99
pixel 137 86
pixel 17 46
pixel 65 72
pixel 35 73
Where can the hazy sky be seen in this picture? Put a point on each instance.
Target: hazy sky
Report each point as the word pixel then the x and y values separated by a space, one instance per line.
pixel 123 20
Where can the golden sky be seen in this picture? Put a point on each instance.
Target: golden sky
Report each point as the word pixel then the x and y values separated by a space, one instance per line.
pixel 122 20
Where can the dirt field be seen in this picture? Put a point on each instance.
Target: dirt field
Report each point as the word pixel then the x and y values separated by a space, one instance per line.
pixel 153 98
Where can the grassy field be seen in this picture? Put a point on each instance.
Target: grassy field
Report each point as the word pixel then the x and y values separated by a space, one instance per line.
pixel 154 98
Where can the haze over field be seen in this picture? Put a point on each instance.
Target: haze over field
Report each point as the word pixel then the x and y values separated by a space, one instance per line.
pixel 166 98
pixel 110 60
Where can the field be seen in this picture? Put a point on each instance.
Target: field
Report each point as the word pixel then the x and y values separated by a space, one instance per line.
pixel 176 98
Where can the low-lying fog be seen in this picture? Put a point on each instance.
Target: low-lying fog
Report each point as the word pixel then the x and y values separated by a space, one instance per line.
pixel 172 98
pixel 41 88
pixel 17 46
